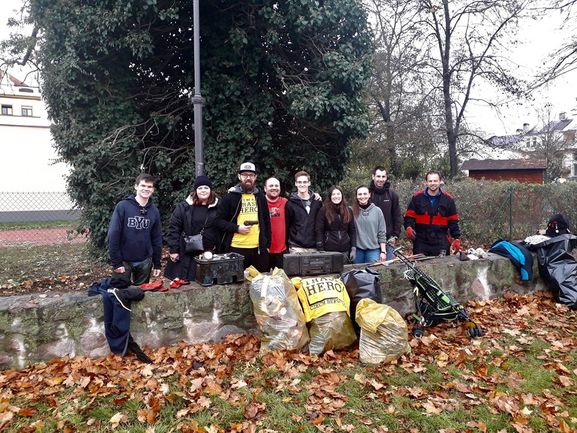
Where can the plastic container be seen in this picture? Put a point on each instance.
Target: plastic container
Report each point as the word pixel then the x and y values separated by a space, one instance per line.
pixel 220 269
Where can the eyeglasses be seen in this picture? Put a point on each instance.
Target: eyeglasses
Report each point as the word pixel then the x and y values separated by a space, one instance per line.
pixel 247 175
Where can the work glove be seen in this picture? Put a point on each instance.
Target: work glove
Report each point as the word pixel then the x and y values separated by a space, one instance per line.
pixel 353 254
pixel 411 233
pixel 320 246
pixel 456 246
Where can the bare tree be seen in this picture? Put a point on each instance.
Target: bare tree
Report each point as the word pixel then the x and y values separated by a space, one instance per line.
pixel 468 36
pixel 400 95
pixel 564 58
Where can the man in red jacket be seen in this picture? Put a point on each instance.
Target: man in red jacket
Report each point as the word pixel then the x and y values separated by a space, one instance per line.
pixel 276 208
pixel 430 217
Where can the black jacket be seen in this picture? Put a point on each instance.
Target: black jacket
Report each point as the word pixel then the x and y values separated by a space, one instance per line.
pixel 300 223
pixel 432 223
pixel 336 236
pixel 189 220
pixel 228 212
pixel 388 201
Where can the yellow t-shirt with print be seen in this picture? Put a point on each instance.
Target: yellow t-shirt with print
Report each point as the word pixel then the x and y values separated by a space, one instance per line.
pixel 248 212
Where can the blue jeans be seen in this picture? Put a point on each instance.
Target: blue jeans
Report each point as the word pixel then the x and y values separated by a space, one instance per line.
pixel 390 249
pixel 367 256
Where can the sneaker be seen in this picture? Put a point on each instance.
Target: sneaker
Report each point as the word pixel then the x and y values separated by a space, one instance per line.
pixel 154 286
pixel 177 282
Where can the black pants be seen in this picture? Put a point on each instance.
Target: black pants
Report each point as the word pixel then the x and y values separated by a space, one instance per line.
pixel 276 260
pixel 137 275
pixel 420 247
pixel 253 258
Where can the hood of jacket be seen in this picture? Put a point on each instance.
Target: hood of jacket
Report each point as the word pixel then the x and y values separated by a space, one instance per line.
pixel 373 188
pixel 132 200
pixel 189 201
pixel 295 196
pixel 237 189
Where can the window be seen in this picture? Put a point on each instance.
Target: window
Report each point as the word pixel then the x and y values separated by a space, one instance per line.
pixel 27 111
pixel 25 90
pixel 6 110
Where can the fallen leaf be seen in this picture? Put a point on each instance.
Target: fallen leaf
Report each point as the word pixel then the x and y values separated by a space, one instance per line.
pixel 117 419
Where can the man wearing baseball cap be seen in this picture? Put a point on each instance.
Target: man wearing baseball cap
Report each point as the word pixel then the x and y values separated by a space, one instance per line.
pixel 244 219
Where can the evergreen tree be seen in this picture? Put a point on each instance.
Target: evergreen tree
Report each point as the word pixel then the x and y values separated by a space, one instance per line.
pixel 282 83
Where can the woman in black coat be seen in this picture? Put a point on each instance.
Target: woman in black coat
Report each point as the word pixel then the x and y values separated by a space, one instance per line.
pixel 335 225
pixel 197 213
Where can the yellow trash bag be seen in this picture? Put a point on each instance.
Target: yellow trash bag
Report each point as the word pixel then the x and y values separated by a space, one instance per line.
pixel 384 333
pixel 326 303
pixel 321 295
pixel 332 331
pixel 278 312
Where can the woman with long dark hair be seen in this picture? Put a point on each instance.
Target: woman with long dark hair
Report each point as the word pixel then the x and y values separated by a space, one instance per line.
pixel 192 216
pixel 371 228
pixel 335 227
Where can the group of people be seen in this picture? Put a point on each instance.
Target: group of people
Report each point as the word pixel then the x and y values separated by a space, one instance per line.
pixel 262 226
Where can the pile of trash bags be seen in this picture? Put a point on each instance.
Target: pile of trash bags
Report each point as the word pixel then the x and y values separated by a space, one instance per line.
pixel 314 313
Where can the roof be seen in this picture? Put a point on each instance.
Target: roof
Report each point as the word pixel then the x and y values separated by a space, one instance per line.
pixel 504 140
pixel 556 125
pixel 504 164
pixel 15 81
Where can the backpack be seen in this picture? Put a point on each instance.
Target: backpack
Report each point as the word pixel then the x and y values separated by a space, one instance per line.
pixel 557 225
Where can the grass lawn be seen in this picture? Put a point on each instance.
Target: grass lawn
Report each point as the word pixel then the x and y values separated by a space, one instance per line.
pixel 38 225
pixel 520 377
pixel 34 268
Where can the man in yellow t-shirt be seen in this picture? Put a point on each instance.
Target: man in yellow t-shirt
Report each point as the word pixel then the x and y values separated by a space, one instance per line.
pixel 244 219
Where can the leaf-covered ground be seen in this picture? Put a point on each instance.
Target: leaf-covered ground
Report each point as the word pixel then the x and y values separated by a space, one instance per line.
pixel 520 377
pixel 48 269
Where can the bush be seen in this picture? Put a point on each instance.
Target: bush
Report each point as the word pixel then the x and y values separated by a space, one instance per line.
pixel 491 210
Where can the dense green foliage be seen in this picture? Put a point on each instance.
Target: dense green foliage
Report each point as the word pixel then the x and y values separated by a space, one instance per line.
pixel 282 83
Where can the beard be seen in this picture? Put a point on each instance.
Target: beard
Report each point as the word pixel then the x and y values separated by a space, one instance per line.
pixel 247 185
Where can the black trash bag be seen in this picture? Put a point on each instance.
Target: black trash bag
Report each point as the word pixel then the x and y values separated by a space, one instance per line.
pixel 361 285
pixel 557 225
pixel 558 267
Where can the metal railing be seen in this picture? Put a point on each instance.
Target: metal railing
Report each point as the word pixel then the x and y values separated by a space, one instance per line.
pixel 38 218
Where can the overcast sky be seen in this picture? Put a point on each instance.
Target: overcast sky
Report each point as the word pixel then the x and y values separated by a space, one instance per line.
pixel 537 39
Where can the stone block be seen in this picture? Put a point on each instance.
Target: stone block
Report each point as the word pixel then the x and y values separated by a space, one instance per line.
pixel 37 327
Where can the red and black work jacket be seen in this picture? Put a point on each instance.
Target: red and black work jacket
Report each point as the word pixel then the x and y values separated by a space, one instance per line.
pixel 432 221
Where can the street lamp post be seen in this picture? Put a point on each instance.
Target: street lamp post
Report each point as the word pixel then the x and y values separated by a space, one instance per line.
pixel 197 100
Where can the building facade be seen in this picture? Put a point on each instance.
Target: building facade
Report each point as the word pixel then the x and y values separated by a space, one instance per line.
pixel 29 160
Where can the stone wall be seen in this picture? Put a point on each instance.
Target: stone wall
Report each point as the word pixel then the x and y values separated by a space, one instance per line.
pixel 38 327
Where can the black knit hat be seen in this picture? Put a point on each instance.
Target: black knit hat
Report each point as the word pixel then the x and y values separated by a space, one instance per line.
pixel 202 180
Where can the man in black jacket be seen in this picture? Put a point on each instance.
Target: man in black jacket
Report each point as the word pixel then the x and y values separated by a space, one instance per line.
pixel 301 214
pixel 388 201
pixel 244 219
